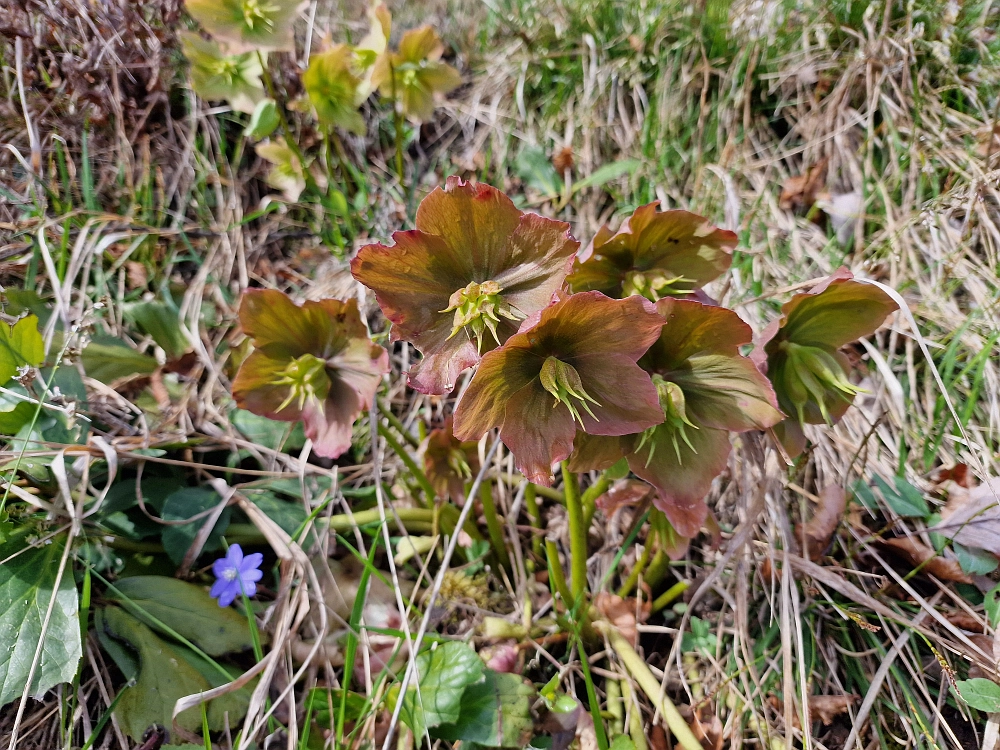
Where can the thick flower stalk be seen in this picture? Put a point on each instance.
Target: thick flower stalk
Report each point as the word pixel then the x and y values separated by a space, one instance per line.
pixel 571 366
pixel 461 283
pixel 414 76
pixel 800 352
pixel 248 25
pixel 706 389
pixel 654 254
pixel 313 363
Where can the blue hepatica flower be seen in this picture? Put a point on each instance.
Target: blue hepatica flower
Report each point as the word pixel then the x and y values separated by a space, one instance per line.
pixel 236 574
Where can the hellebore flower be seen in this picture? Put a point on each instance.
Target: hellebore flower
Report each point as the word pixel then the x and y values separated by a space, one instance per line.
pixel 288 173
pixel 449 463
pixel 571 365
pixel 314 363
pixel 248 25
pixel 235 575
pixel 654 254
pixel 217 75
pixel 800 351
pixel 706 390
pixel 415 76
pixel 461 282
pixel 332 85
pixel 371 47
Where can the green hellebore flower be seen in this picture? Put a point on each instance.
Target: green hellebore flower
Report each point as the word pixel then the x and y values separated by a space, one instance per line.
pixel 332 84
pixel 449 463
pixel 217 75
pixel 248 25
pixel 415 76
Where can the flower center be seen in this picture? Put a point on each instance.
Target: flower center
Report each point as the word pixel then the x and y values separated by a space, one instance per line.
pixel 227 69
pixel 230 574
pixel 479 307
pixel 675 420
pixel 258 14
pixel 563 382
pixel 655 284
pixel 307 381
pixel 812 372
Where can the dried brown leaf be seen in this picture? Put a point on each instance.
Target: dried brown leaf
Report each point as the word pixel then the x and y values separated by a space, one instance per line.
pixel 827 707
pixel 818 531
pixel 622 493
pixel 972 517
pixel 621 613
pixel 799 191
pixel 919 554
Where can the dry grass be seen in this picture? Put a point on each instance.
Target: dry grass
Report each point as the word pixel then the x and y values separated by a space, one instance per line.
pixel 900 107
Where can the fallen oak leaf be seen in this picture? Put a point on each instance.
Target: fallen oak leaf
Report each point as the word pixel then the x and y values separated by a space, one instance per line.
pixel 818 531
pixel 920 555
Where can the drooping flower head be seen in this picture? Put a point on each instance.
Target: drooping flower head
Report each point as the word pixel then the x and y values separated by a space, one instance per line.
pixel 460 284
pixel 571 366
pixel 706 390
pixel 415 76
pixel 654 254
pixel 313 363
pixel 215 74
pixel 449 463
pixel 236 575
pixel 372 47
pixel 248 25
pixel 287 174
pixel 332 83
pixel 800 351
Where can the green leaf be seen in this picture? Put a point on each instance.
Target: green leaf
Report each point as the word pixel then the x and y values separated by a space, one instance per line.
pixel 975 561
pixel 991 601
pixel 494 713
pixel 607 173
pixel 443 675
pixel 184 504
pixel 27 581
pixel 622 742
pixel 537 172
pixel 160 320
pixel 904 499
pixel 289 516
pixel 12 420
pixel 263 121
pixel 981 694
pixel 166 674
pixel 268 432
pixel 187 609
pixel 107 359
pixel 20 345
pixel 864 495
pixel 320 700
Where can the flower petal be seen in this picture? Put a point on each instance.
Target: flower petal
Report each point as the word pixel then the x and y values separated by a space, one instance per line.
pixel 229 593
pixel 253 389
pixel 627 401
pixel 537 257
pixel 235 555
pixel 543 439
pixel 502 373
pixel 598 452
pixel 682 484
pixel 249 576
pixel 219 586
pixel 251 561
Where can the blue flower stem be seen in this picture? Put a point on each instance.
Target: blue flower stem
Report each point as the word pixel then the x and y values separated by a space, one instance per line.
pixel 577 534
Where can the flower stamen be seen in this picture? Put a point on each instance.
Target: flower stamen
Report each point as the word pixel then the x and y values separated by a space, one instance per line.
pixel 307 382
pixel 479 307
pixel 563 382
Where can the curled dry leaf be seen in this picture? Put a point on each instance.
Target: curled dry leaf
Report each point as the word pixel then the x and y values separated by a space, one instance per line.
pixel 919 554
pixel 818 531
pixel 800 191
pixel 623 493
pixel 827 707
pixel 972 517
pixel 622 613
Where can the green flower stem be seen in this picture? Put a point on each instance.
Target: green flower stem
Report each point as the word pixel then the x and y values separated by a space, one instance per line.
pixel 407 459
pixel 540 490
pixel 592 699
pixel 637 667
pixel 556 576
pixel 669 595
pixel 493 526
pixel 285 128
pixel 633 577
pixel 535 518
pixel 398 426
pixel 577 534
pixel 657 568
pixel 590 496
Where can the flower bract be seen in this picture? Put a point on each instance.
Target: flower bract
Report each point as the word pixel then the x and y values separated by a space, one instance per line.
pixel 460 284
pixel 706 389
pixel 332 82
pixel 654 254
pixel 235 575
pixel 415 76
pixel 216 75
pixel 800 351
pixel 313 363
pixel 248 25
pixel 571 366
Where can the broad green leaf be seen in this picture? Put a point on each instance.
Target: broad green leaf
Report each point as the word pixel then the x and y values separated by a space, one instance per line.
pixel 320 700
pixel 537 172
pixel 123 658
pixel 263 121
pixel 268 432
pixel 159 320
pixel 607 173
pixel 904 499
pixel 981 694
pixel 17 417
pixel 166 674
pixel 975 561
pixel 107 359
pixel 288 515
pixel 494 713
pixel 443 675
pixel 20 345
pixel 991 601
pixel 184 504
pixel 187 609
pixel 27 582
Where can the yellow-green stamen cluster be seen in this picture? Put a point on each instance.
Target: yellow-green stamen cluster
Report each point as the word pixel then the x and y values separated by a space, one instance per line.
pixel 307 382
pixel 812 373
pixel 655 284
pixel 479 307
pixel 675 420
pixel 258 13
pixel 563 382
